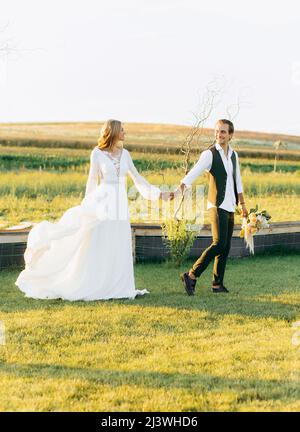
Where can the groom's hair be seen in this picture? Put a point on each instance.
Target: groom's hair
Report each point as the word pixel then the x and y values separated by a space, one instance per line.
pixel 229 123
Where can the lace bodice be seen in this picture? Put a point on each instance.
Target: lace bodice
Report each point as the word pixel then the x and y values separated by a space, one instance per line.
pixel 114 169
pixel 115 158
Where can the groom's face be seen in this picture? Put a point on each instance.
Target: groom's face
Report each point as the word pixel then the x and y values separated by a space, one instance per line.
pixel 222 135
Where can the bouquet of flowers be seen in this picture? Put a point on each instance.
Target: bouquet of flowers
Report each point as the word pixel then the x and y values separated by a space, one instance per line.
pixel 255 221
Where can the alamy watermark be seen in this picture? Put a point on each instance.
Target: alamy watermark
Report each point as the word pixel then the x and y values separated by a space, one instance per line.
pixel 2 333
pixel 296 335
pixel 3 70
pixel 295 73
pixel 115 202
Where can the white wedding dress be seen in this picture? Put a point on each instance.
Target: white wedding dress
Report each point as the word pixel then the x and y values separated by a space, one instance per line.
pixel 87 254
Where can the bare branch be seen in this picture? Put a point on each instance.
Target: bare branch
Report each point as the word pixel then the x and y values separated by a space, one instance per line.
pixel 206 107
pixel 234 109
pixel 208 103
pixel 5 45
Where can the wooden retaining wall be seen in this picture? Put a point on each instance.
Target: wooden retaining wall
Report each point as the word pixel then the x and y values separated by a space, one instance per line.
pixel 147 243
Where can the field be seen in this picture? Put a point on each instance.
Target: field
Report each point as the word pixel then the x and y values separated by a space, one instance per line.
pixel 44 167
pixel 138 135
pixel 165 351
pixel 162 352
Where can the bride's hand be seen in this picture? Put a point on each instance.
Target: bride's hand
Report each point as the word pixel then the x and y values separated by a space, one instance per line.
pixel 166 196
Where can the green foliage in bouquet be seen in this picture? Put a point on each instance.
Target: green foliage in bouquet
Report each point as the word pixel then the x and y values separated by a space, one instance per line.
pixel 178 238
pixel 256 212
pixel 263 212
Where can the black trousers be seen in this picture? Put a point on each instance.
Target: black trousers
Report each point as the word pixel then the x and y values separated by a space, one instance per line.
pixel 222 223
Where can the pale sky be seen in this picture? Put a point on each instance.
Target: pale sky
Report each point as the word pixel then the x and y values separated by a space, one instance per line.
pixel 151 60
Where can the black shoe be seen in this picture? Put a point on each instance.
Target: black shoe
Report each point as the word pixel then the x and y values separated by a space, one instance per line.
pixel 221 289
pixel 189 283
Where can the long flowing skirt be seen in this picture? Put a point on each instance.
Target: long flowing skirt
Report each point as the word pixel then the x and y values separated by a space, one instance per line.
pixel 83 256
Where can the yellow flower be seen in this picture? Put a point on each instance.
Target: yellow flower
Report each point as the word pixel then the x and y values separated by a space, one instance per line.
pixel 252 217
pixel 242 233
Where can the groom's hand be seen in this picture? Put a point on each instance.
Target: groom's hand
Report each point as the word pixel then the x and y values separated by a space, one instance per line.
pixel 244 210
pixel 178 192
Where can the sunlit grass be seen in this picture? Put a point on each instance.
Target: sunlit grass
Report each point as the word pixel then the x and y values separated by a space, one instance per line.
pixel 37 195
pixel 58 181
pixel 162 352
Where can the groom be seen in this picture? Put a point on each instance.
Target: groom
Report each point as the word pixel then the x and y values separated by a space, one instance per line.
pixel 224 193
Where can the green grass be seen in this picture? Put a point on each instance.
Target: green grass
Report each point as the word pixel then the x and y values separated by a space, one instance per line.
pixel 165 351
pixel 39 183
pixel 62 159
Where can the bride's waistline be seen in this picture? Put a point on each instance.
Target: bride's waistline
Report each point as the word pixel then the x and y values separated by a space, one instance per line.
pixel 112 182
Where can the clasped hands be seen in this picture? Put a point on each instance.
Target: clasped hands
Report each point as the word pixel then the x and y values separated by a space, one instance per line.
pixel 169 196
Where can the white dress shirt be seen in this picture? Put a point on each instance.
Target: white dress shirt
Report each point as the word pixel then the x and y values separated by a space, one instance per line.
pixel 204 164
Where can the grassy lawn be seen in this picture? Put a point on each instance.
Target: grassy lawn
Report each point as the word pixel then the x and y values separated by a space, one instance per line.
pixel 165 351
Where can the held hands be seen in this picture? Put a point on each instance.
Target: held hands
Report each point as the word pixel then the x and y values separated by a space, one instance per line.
pixel 166 196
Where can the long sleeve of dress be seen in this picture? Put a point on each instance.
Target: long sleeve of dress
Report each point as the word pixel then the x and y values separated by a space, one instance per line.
pixel 93 176
pixel 148 191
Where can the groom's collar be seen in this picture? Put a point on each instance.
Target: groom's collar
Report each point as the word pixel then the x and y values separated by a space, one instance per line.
pixel 219 148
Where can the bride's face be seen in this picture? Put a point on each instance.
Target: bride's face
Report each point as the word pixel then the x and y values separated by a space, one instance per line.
pixel 122 134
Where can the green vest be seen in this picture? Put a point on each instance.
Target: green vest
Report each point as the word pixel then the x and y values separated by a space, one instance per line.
pixel 218 178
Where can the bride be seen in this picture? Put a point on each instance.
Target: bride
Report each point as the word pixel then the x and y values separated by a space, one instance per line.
pixel 87 254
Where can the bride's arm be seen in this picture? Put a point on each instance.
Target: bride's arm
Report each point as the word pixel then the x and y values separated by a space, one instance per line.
pixel 92 180
pixel 147 190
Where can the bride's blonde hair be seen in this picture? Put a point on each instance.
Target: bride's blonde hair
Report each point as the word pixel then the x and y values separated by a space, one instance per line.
pixel 109 134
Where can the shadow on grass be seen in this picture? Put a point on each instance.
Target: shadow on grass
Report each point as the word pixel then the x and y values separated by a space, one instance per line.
pixel 166 291
pixel 248 389
pixel 214 304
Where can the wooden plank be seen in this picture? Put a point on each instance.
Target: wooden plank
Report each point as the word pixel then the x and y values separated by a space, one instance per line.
pixel 154 230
